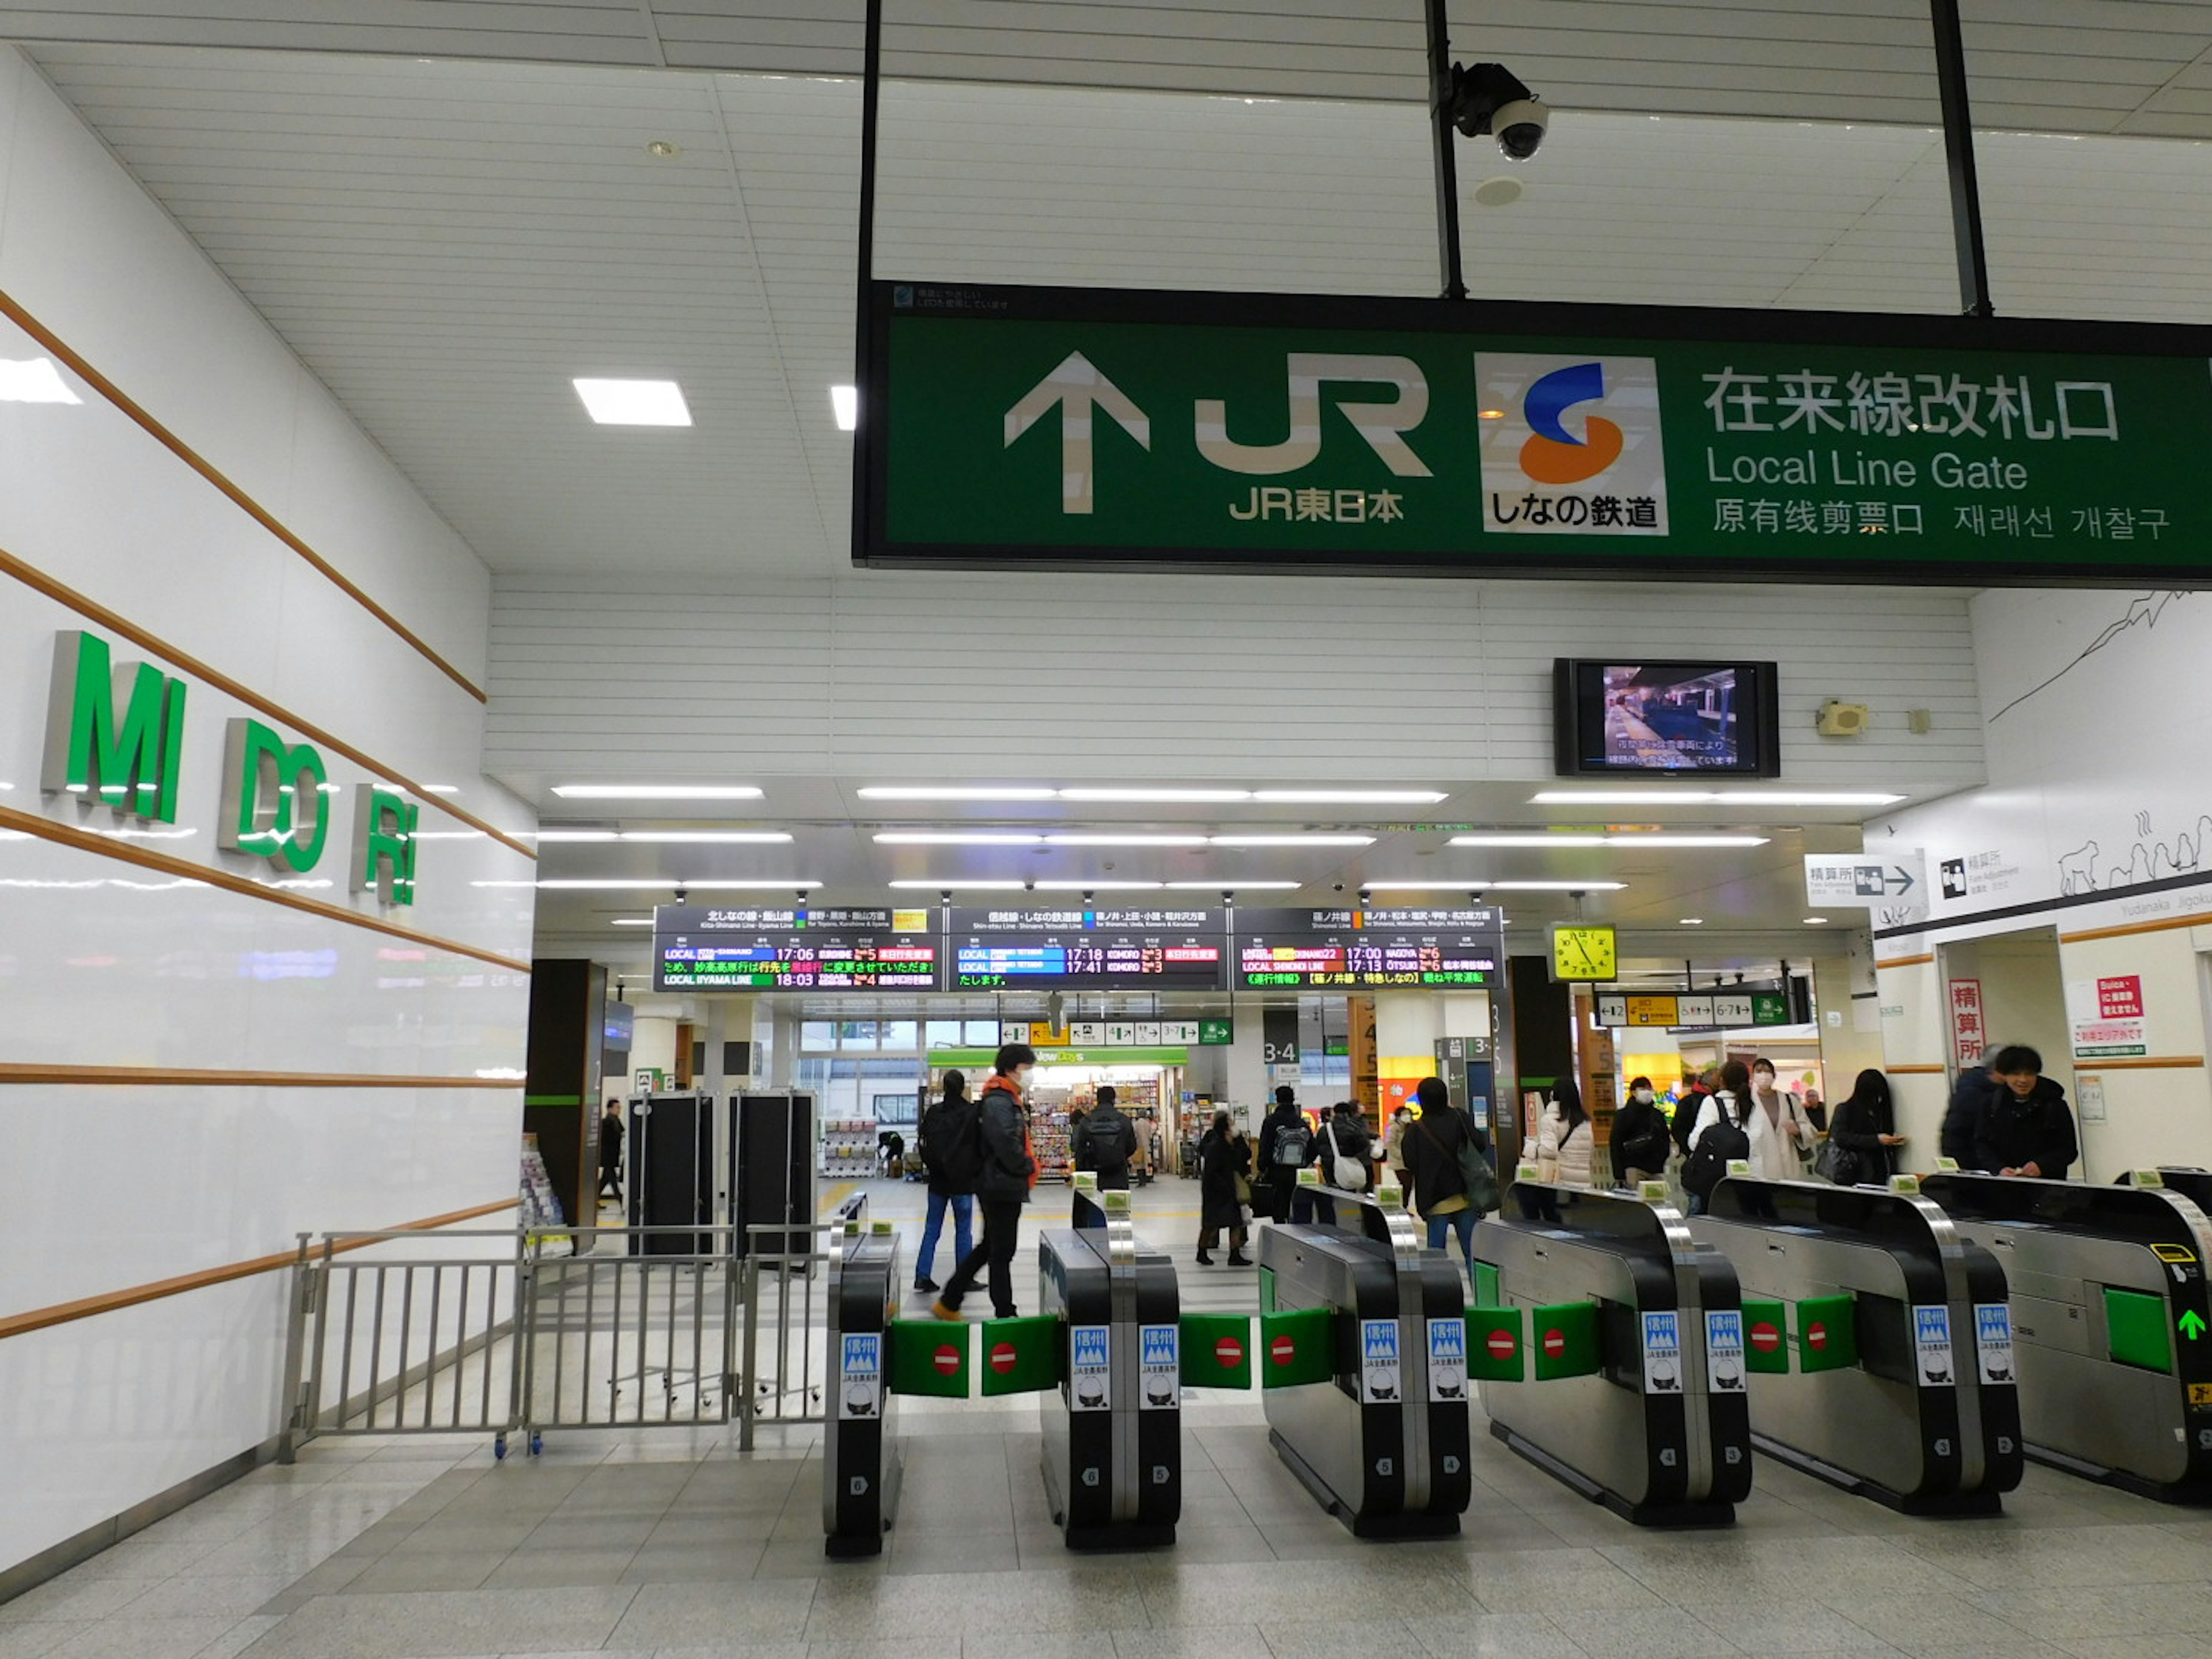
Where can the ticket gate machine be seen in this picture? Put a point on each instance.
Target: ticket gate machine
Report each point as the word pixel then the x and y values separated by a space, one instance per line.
pixel 2109 1322
pixel 1113 1428
pixel 860 1463
pixel 1885 1337
pixel 1636 1397
pixel 1377 1428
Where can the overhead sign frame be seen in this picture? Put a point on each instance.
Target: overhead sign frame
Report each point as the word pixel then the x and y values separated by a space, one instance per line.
pixel 2125 404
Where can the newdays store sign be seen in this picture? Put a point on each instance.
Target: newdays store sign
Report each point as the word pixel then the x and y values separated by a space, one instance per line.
pixel 117 733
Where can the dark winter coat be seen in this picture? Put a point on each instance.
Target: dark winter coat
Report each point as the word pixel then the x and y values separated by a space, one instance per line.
pixel 1104 1140
pixel 1352 1141
pixel 2039 1130
pixel 1009 1171
pixel 1963 1114
pixel 610 1140
pixel 1221 1159
pixel 1685 1118
pixel 1857 1127
pixel 1271 1130
pixel 1432 1148
pixel 1641 1136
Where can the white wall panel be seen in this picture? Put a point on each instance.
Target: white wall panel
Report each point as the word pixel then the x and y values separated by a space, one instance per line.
pixel 108 964
pixel 1155 677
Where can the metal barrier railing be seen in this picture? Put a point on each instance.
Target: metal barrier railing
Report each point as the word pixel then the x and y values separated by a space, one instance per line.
pixel 508 1333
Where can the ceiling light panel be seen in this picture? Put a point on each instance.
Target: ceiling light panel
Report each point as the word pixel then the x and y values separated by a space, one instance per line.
pixel 845 407
pixel 656 792
pixel 634 403
pixel 1669 797
pixel 926 792
pixel 1647 839
pixel 660 883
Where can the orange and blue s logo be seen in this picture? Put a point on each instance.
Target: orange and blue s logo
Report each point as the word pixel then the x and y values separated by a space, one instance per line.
pixel 1553 455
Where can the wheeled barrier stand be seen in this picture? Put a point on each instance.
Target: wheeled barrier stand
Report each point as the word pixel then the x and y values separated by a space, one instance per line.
pixel 1884 1338
pixel 2108 1312
pixel 1364 1366
pixel 1635 1396
pixel 860 1452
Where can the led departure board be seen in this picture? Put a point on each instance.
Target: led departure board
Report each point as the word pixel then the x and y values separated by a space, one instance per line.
pixel 1369 949
pixel 698 947
pixel 1091 949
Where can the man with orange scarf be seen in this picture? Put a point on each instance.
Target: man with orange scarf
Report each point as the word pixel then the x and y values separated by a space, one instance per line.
pixel 1009 1172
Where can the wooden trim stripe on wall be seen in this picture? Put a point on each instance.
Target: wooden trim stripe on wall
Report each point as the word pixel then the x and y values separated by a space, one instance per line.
pixel 2141 1063
pixel 1906 961
pixel 2126 930
pixel 1917 1069
pixel 253 509
pixel 92 611
pixel 89 1307
pixel 200 1076
pixel 168 864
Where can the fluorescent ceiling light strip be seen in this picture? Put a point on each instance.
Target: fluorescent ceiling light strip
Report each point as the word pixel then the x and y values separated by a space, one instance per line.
pixel 631 921
pixel 656 792
pixel 1645 839
pixel 1099 886
pixel 1230 884
pixel 1141 795
pixel 1670 797
pixel 1471 886
pixel 963 886
pixel 1088 839
pixel 956 838
pixel 655 883
pixel 845 407
pixel 634 403
pixel 709 838
pixel 568 837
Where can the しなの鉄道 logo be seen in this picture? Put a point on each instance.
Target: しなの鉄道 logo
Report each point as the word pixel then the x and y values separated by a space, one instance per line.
pixel 1571 444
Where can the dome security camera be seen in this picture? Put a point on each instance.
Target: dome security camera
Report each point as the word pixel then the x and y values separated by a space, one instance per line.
pixel 1489 98
pixel 682 892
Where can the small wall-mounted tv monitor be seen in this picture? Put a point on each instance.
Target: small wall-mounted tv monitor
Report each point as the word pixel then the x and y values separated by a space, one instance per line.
pixel 1664 719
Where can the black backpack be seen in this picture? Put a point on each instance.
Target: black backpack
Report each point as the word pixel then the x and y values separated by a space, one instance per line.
pixel 1708 1162
pixel 952 1144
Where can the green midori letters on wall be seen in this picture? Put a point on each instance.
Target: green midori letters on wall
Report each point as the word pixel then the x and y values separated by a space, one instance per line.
pixel 131 762
pixel 273 803
pixel 384 837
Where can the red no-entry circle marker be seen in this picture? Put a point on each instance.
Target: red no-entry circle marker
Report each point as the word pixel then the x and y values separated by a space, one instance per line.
pixel 1555 1343
pixel 1501 1344
pixel 1002 1358
pixel 1765 1338
pixel 1816 1336
pixel 1229 1352
pixel 1282 1351
pixel 946 1359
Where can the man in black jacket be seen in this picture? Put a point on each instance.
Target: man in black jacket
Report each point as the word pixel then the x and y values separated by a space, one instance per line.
pixel 1687 1108
pixel 1286 1147
pixel 1009 1172
pixel 1969 1100
pixel 1104 1141
pixel 2025 1128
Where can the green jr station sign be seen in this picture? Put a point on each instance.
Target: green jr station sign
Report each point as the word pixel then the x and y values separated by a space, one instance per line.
pixel 1042 426
pixel 116 734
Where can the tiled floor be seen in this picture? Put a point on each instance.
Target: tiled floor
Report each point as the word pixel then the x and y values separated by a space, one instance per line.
pixel 670 1543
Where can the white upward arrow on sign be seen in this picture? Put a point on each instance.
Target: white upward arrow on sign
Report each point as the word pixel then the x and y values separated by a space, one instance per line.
pixel 1075 386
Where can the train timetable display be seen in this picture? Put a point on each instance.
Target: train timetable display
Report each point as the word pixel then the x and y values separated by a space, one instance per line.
pixel 703 948
pixel 1134 949
pixel 1396 950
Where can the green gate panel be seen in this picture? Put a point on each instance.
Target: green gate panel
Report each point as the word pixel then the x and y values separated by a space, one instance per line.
pixel 1564 1336
pixel 2136 1329
pixel 1021 1356
pixel 1766 1336
pixel 1296 1345
pixel 1266 1289
pixel 928 1356
pixel 1216 1350
pixel 1828 1334
pixel 1496 1351
pixel 1486 1285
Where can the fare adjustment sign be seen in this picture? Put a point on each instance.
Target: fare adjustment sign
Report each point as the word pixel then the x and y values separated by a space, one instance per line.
pixel 1040 426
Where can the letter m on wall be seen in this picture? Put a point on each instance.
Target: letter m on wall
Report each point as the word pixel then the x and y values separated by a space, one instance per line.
pixel 114 733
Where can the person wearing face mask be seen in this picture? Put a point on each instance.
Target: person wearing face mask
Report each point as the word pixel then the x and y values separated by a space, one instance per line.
pixel 1779 1153
pixel 1641 1139
pixel 1009 1172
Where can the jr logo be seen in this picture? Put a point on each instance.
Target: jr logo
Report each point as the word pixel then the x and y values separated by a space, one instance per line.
pixel 1571 444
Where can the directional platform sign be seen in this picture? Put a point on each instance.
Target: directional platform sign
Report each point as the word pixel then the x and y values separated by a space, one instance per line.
pixel 1004 426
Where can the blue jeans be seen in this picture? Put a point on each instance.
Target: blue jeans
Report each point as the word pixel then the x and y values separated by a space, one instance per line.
pixel 963 1211
pixel 1460 1222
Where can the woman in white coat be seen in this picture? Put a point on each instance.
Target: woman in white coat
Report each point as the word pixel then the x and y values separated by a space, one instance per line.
pixel 1773 1150
pixel 1781 1133
pixel 1563 1138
